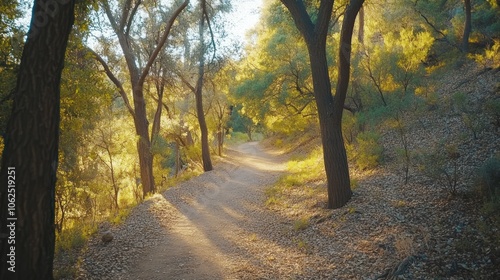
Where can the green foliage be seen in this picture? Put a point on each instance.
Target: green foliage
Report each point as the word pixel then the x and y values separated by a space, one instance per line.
pixel 459 102
pixel 239 122
pixel 485 19
pixel 236 138
pixel 274 82
pixel 474 122
pixel 490 57
pixel 488 186
pixel 73 237
pixel 493 109
pixel 471 115
pixel 11 46
pixel 488 179
pixel 307 169
pixel 366 152
pixel 440 164
pixel 121 216
pixel 301 224
pixel 301 172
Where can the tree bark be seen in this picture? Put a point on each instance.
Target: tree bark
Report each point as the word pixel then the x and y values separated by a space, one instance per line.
pixel 467 27
pixel 361 29
pixel 329 108
pixel 137 79
pixel 342 170
pixel 200 113
pixel 30 156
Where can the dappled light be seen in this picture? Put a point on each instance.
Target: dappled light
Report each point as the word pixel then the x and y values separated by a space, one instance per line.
pixel 280 139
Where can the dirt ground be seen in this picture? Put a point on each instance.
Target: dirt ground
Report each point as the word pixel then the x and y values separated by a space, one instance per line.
pixel 205 239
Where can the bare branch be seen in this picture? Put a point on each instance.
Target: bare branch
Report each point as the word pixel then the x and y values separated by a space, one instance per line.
pixel 125 13
pixel 132 14
pixel 301 17
pixel 186 82
pixel 212 41
pixel 163 39
pixel 444 37
pixel 111 18
pixel 115 80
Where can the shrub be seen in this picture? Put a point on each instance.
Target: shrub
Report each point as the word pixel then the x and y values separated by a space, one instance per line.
pixel 73 238
pixel 488 184
pixel 488 180
pixel 493 109
pixel 441 165
pixel 367 152
pixel 301 224
pixel 491 56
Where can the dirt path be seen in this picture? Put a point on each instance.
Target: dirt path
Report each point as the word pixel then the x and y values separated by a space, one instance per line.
pixel 204 240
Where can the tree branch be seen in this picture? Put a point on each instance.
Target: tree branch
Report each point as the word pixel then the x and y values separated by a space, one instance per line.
pixel 132 14
pixel 163 39
pixel 115 80
pixel 125 13
pixel 212 41
pixel 301 18
pixel 324 15
pixel 444 37
pixel 111 18
pixel 345 55
pixel 186 82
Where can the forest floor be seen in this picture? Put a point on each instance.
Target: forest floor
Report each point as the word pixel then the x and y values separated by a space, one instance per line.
pixel 217 225
pixel 200 229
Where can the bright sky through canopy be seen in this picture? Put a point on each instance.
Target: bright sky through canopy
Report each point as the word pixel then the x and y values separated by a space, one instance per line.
pixel 245 15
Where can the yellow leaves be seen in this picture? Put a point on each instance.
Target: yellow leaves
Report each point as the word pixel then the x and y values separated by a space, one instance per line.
pixel 412 47
pixel 285 124
pixel 388 84
pixel 491 56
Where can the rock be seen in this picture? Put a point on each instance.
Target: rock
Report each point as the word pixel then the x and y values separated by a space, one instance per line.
pixel 107 237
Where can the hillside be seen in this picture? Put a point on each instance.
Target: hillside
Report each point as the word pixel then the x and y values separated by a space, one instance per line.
pixel 423 229
pixel 255 217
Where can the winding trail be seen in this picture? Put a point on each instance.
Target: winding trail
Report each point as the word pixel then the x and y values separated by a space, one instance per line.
pixel 204 240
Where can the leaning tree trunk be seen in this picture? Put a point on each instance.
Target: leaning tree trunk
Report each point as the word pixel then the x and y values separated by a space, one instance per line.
pixel 30 156
pixel 205 148
pixel 143 143
pixel 341 171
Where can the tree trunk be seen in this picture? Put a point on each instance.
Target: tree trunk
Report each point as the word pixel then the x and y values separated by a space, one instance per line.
pixel 30 156
pixel 143 143
pixel 137 79
pixel 361 30
pixel 341 189
pixel 220 139
pixel 329 108
pixel 467 27
pixel 334 154
pixel 205 148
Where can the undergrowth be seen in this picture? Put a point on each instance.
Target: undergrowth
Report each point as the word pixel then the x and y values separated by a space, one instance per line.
pixel 488 187
pixel 71 240
pixel 301 170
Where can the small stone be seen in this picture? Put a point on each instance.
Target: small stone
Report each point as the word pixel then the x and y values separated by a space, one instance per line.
pixel 107 237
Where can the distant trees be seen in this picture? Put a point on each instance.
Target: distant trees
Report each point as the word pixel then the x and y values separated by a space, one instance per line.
pixel 275 93
pixel 122 24
pixel 456 22
pixel 31 147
